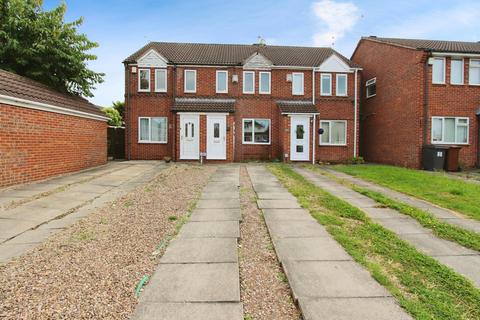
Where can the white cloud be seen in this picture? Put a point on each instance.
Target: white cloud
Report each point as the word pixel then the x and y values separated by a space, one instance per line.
pixel 336 18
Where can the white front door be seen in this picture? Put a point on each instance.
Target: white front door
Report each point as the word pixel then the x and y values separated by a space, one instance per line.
pixel 299 138
pixel 189 137
pixel 216 137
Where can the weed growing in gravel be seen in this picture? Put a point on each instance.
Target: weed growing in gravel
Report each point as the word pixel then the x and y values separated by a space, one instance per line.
pixel 172 218
pixel 103 221
pixel 282 277
pixel 128 204
pixel 85 235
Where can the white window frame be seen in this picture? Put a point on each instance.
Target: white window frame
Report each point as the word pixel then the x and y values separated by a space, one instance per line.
pixel 463 72
pixel 253 131
pixel 443 130
pixel 338 75
pixel 149 80
pixel 243 82
pixel 328 75
pixel 469 72
pixel 185 81
pixel 444 70
pixel 330 137
pixel 150 130
pixel 165 77
pixel 269 82
pixel 303 84
pixel 226 81
pixel 369 83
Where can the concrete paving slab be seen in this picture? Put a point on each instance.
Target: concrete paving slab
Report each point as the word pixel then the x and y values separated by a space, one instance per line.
pixel 339 279
pixel 218 204
pixel 402 226
pixel 220 195
pixel 275 196
pixel 68 195
pixel 52 202
pixel 210 229
pixel 383 308
pixel 199 282
pixel 63 222
pixel 90 188
pixel 214 187
pixel 203 250
pixel 32 236
pixel 363 202
pixel 309 249
pixel 464 223
pixel 264 188
pixel 216 215
pixel 278 204
pixel 296 229
pixel 33 213
pixel 11 228
pixel 385 213
pixel 287 215
pixel 468 266
pixel 9 251
pixel 188 311
pixel 434 246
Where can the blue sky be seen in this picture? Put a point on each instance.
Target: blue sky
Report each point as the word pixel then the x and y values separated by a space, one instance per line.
pixel 122 27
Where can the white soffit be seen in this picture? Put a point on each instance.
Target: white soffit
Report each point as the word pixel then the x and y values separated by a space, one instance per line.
pixel 257 61
pixel 152 59
pixel 334 64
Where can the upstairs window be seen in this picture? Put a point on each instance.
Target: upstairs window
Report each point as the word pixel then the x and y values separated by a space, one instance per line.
pixel 456 71
pixel 248 82
pixel 264 83
pixel 450 130
pixel 256 131
pixel 438 71
pixel 326 84
pixel 371 87
pixel 161 80
pixel 297 83
pixel 222 82
pixel 144 80
pixel 474 72
pixel 190 81
pixel 341 85
pixel 152 130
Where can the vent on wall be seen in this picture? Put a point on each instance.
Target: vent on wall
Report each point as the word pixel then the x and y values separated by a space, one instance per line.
pixel 289 77
pixel 134 69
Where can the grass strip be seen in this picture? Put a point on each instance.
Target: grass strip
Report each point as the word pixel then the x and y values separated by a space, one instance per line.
pixel 438 188
pixel 424 287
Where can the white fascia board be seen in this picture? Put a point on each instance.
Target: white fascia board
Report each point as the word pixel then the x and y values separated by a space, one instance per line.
pixel 18 102
pixel 455 54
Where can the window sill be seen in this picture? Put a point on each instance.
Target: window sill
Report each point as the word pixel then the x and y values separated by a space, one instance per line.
pixel 144 91
pixel 160 91
pixel 257 143
pixel 152 142
pixel 451 144
pixel 248 92
pixel 265 93
pixel 332 145
pixel 370 96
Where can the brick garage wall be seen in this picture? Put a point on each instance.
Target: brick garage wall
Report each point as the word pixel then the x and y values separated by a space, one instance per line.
pixel 36 144
pixel 391 122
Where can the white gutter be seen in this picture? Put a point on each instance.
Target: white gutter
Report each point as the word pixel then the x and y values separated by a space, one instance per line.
pixel 455 54
pixel 48 107
pixel 355 107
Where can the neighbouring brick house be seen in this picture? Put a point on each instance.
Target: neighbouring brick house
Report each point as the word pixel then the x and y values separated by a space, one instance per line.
pixel 417 93
pixel 239 102
pixel 45 133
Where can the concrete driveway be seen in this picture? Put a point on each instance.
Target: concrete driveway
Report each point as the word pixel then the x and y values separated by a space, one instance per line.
pixel 30 213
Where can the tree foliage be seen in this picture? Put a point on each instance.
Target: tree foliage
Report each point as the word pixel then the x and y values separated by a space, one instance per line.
pixel 120 106
pixel 40 45
pixel 114 115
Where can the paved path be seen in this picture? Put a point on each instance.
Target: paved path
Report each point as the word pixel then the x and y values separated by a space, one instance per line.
pixel 198 276
pixel 443 214
pixel 31 213
pixel 460 259
pixel 324 279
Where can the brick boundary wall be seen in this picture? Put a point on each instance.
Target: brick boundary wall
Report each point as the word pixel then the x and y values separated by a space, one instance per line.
pixel 37 144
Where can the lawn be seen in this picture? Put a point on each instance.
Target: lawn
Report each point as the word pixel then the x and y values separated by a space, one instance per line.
pixel 424 287
pixel 437 188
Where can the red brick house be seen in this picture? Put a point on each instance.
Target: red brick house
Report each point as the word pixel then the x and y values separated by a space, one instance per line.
pixel 226 102
pixel 45 133
pixel 416 93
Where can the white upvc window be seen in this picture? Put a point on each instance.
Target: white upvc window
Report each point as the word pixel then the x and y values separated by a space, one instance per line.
pixel 222 81
pixel 144 80
pixel 450 130
pixel 474 72
pixel 371 88
pixel 341 87
pixel 190 81
pixel 249 82
pixel 325 84
pixel 256 131
pixel 160 80
pixel 334 133
pixel 264 82
pixel 152 129
pixel 438 71
pixel 456 71
pixel 297 83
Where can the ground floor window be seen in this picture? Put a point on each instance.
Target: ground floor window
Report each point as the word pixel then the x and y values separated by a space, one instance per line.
pixel 256 131
pixel 450 130
pixel 152 129
pixel 334 132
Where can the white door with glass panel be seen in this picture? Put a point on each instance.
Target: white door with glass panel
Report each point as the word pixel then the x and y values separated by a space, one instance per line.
pixel 189 137
pixel 216 137
pixel 299 138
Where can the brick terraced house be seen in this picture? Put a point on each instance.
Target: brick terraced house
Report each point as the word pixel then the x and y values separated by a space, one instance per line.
pixel 228 102
pixel 417 93
pixel 45 133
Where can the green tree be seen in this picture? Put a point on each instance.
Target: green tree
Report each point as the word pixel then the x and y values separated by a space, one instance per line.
pixel 40 45
pixel 114 115
pixel 120 107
